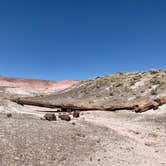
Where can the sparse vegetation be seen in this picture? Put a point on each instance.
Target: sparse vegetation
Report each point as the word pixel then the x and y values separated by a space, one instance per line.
pixel 153 134
pixel 153 92
pixel 154 71
pixel 127 89
pixel 121 73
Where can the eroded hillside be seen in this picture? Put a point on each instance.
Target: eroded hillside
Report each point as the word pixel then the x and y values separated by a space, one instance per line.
pixel 12 87
pixel 121 89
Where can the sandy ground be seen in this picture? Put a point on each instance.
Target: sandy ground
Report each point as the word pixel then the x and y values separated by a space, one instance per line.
pixel 97 138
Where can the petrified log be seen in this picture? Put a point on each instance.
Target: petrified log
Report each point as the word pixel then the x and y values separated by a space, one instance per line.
pixel 64 117
pixel 118 107
pixel 18 101
pixel 64 107
pixel 76 114
pixel 50 117
pixel 161 100
pixel 141 106
pixel 24 101
pixel 145 105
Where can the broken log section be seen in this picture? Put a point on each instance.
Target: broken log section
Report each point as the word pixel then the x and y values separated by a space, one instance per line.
pixel 141 106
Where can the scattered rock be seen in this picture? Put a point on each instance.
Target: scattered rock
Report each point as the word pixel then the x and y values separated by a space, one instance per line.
pixel 148 144
pixel 50 117
pixel 76 114
pixel 73 123
pixel 9 115
pixel 98 141
pixel 98 159
pixel 41 162
pixel 118 85
pixel 135 132
pixel 42 118
pixel 64 117
pixel 81 135
pixel 16 158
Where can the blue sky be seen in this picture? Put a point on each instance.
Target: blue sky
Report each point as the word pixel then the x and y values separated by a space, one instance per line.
pixel 78 39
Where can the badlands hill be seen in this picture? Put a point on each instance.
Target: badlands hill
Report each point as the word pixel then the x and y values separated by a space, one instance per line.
pixel 31 87
pixel 115 91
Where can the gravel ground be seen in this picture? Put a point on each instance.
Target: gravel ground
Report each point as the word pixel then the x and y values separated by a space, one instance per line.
pixel 97 138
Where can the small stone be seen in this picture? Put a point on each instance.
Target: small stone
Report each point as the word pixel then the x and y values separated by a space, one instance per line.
pixel 65 117
pixel 73 123
pixel 16 158
pixel 135 132
pixel 149 143
pixel 98 141
pixel 81 135
pixel 76 114
pixel 9 115
pixel 41 162
pixel 50 117
pixel 42 118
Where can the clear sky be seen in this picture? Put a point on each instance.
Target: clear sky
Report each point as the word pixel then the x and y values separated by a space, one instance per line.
pixel 78 39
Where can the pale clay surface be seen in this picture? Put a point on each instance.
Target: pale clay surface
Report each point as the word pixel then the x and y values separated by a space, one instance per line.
pixel 121 138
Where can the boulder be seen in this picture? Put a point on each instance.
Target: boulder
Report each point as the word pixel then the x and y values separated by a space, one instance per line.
pixel 64 117
pixel 50 117
pixel 9 115
pixel 76 114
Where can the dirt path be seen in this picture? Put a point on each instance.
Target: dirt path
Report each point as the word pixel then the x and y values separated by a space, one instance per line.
pixel 146 140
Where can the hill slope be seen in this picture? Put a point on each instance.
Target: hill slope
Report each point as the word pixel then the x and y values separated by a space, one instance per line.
pixel 114 89
pixel 31 87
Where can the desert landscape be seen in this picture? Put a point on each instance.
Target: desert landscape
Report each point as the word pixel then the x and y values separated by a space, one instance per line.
pixel 83 83
pixel 118 119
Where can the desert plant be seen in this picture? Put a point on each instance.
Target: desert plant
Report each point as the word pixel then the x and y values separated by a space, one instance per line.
pixel 121 73
pixel 153 92
pixel 153 71
pixel 153 134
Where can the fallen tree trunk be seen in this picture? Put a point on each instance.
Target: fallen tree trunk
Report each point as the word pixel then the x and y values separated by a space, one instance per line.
pixel 161 100
pixel 25 101
pixel 141 106
pixel 145 105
